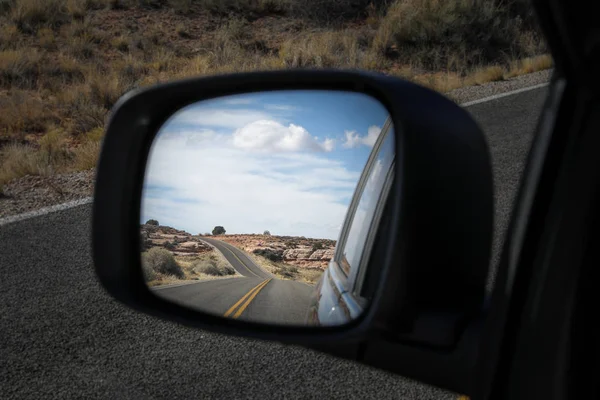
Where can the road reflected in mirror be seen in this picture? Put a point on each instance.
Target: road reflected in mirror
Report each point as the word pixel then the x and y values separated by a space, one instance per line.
pixel 248 205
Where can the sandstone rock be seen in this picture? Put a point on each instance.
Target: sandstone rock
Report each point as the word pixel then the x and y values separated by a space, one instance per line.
pixel 297 254
pixel 322 255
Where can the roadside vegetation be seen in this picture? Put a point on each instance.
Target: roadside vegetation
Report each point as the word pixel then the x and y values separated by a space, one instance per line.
pixel 286 271
pixel 161 267
pixel 64 63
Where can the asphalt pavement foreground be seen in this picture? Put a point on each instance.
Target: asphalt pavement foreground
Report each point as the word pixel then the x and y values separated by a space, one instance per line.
pixel 62 336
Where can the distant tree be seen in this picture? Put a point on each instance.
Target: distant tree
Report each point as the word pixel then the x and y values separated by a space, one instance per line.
pixel 207 234
pixel 219 230
pixel 152 222
pixel 267 233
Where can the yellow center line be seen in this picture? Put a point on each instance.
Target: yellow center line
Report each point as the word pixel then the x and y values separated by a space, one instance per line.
pixel 245 266
pixel 240 301
pixel 247 303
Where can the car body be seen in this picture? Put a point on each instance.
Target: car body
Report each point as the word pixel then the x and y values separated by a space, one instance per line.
pixel 338 297
pixel 534 335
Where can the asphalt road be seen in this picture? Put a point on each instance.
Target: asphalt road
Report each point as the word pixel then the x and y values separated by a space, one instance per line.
pixel 256 296
pixel 62 336
pixel 239 260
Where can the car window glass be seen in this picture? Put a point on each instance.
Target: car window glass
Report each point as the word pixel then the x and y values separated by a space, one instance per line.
pixel 367 205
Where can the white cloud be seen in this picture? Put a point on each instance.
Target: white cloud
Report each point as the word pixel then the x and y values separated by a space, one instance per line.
pixel 218 118
pixel 239 101
pixel 353 139
pixel 196 186
pixel 268 135
pixel 281 107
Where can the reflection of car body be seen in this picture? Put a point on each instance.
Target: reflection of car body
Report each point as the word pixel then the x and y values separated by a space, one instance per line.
pixel 339 295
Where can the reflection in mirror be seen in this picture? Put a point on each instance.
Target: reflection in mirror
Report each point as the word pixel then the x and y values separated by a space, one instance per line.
pixel 245 199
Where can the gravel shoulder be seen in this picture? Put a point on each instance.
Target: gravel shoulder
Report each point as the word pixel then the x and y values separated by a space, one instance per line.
pixel 34 192
pixel 471 93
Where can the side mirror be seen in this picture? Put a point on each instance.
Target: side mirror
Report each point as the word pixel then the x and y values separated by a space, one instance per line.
pixel 377 197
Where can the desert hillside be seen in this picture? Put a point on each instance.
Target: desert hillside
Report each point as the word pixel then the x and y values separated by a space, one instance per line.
pixel 177 241
pixel 64 63
pixel 170 255
pixel 292 250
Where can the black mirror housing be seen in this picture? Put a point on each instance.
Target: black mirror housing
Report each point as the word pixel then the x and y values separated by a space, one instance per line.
pixel 431 255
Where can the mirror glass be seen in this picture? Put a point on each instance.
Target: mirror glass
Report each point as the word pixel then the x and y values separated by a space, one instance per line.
pixel 249 201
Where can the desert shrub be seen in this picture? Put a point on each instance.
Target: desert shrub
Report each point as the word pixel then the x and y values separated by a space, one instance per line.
pixel 17 160
pixel 312 275
pixel 20 68
pixel 148 271
pixel 53 152
pixel 106 90
pixel 286 270
pixel 180 6
pixel 86 155
pixel 273 255
pixel 317 246
pixel 10 36
pixel 345 48
pixel 29 15
pixel 208 268
pixel 333 10
pixel 51 156
pixel 227 269
pixel 211 266
pixel 267 233
pixel 23 113
pixel 152 222
pixel 456 34
pixel 162 261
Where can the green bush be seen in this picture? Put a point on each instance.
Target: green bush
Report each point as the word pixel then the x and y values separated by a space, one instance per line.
pixel 161 261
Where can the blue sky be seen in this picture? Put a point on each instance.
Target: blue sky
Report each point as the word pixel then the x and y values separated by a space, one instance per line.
pixel 287 162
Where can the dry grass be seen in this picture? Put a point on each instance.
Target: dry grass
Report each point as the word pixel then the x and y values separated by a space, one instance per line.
pixel 529 65
pixel 10 37
pixel 339 49
pixel 29 15
pixel 86 156
pixel 64 63
pixel 20 68
pixel 24 113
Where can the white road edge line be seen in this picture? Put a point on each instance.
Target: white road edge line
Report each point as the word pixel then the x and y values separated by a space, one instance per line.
pixel 87 200
pixel 46 210
pixel 501 95
pixel 173 285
